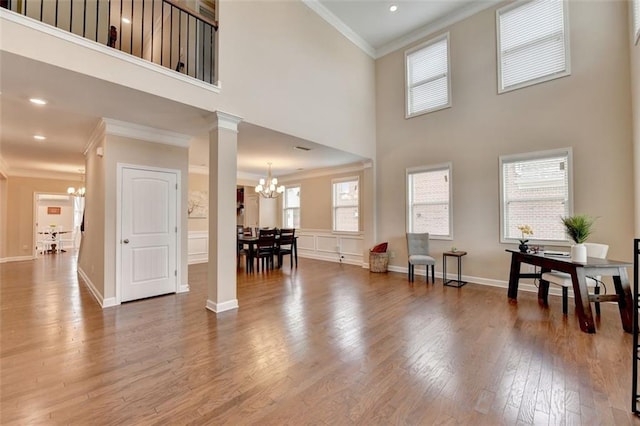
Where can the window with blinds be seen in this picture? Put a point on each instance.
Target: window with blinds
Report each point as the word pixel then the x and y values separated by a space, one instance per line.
pixel 533 43
pixel 428 85
pixel 346 203
pixel 291 207
pixel 535 190
pixel 636 20
pixel 429 201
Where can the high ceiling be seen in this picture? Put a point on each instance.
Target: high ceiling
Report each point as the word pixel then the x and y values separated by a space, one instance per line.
pixel 72 112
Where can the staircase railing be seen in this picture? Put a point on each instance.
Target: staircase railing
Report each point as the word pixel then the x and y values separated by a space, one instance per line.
pixel 159 31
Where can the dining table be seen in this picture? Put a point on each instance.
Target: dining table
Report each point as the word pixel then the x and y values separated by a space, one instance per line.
pixel 578 271
pixel 251 242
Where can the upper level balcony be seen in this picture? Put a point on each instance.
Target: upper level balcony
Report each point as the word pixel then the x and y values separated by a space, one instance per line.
pixel 164 32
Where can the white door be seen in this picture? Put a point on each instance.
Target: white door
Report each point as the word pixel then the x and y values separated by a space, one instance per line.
pixel 148 233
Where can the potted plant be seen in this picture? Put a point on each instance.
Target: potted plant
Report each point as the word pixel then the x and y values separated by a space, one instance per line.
pixel 578 228
pixel 525 230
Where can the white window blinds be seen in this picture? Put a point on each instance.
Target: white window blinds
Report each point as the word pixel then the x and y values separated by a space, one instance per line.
pixel 532 43
pixel 428 77
pixel 535 191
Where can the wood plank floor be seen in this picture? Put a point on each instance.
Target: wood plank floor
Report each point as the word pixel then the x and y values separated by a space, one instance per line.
pixel 322 344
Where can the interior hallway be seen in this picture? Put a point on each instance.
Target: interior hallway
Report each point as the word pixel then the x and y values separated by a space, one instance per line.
pixel 323 344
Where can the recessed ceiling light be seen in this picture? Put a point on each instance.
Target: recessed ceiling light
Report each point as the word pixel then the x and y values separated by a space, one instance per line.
pixel 393 8
pixel 38 101
pixel 126 20
pixel 39 137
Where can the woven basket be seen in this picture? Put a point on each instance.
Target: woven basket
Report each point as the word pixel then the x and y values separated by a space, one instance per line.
pixel 378 262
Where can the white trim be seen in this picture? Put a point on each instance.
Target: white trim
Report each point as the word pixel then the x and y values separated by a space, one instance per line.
pixel 198 254
pixel 104 303
pixel 118 236
pixel 222 307
pixel 199 170
pixel 4 170
pixel 145 133
pixel 44 174
pixel 226 121
pixel 342 28
pixel 548 77
pixel 435 26
pixel 97 135
pixel 183 288
pixel 348 168
pixel 16 259
pixel 89 44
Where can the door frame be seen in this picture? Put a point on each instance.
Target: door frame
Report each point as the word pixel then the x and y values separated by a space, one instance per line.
pixel 119 175
pixel 35 224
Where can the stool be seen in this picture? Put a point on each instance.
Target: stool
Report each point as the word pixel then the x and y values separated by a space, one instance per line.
pixel 453 283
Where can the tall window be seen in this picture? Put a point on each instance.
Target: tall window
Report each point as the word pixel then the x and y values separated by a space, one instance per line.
pixel 533 43
pixel 429 200
pixel 636 20
pixel 346 205
pixel 291 207
pixel 535 190
pixel 427 80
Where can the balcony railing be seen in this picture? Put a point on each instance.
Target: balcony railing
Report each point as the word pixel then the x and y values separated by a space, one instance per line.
pixel 159 31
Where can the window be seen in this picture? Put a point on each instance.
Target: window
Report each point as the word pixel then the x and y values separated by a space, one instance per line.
pixel 428 83
pixel 291 207
pixel 636 20
pixel 345 205
pixel 429 201
pixel 533 43
pixel 535 190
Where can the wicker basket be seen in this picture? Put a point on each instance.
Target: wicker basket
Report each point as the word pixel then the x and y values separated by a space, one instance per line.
pixel 378 262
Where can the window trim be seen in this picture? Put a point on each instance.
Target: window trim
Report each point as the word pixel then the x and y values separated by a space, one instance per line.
pixel 406 75
pixel 419 169
pixel 549 77
pixel 635 17
pixel 334 181
pixel 284 204
pixel 510 158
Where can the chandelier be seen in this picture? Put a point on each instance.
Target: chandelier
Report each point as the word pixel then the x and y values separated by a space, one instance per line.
pixel 269 188
pixel 76 192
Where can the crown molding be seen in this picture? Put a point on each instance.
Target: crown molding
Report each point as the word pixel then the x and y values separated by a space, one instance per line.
pixel 149 134
pixel 342 28
pixel 45 174
pixel 97 135
pixel 329 171
pixel 227 121
pixel 437 25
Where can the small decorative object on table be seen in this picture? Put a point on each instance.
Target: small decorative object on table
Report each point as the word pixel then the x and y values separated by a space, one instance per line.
pixel 578 228
pixel 525 230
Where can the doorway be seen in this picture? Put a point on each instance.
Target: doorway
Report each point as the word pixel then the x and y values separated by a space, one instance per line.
pixel 57 223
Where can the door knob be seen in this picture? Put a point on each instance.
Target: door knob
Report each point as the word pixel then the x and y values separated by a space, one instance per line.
pixel 126 241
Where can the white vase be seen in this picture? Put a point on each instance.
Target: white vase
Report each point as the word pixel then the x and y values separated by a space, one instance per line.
pixel 579 253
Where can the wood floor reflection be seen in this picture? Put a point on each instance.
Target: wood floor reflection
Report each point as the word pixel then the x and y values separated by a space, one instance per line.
pixel 322 344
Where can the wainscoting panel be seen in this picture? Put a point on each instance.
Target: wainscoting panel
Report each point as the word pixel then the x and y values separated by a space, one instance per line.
pixel 198 247
pixel 326 245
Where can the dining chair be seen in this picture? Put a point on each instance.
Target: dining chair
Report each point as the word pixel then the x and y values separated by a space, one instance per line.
pixel 265 248
pixel 284 245
pixel 240 250
pixel 563 279
pixel 418 251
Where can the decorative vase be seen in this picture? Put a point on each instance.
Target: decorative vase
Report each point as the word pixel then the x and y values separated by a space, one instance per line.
pixel 523 247
pixel 579 253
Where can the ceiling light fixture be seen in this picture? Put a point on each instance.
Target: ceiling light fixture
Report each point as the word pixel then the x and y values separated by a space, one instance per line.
pixel 393 8
pixel 39 137
pixel 269 188
pixel 80 191
pixel 38 101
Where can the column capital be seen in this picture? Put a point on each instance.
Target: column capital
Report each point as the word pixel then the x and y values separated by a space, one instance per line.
pixel 224 120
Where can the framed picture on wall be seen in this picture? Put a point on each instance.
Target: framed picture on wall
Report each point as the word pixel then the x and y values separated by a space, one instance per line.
pixel 54 210
pixel 198 204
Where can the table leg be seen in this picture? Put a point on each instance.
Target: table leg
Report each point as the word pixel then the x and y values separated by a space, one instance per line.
pixel 444 269
pixel 295 250
pixel 583 306
pixel 625 299
pixel 543 289
pixel 514 276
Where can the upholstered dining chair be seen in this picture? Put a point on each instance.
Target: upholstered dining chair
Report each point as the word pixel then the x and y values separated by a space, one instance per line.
pixel 563 279
pixel 418 250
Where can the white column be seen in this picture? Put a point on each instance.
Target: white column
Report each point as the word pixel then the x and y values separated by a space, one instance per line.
pixel 223 150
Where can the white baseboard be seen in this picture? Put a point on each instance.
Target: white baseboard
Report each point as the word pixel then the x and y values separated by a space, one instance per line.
pixel 485 281
pixel 183 288
pixel 16 259
pixel 104 303
pixel 221 307
pixel 330 258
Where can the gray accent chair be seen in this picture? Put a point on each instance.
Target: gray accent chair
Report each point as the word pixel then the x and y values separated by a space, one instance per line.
pixel 418 250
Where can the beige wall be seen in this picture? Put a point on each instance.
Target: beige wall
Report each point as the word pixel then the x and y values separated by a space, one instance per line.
pixel 20 211
pixel 101 214
pixel 589 111
pixel 635 93
pixel 3 216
